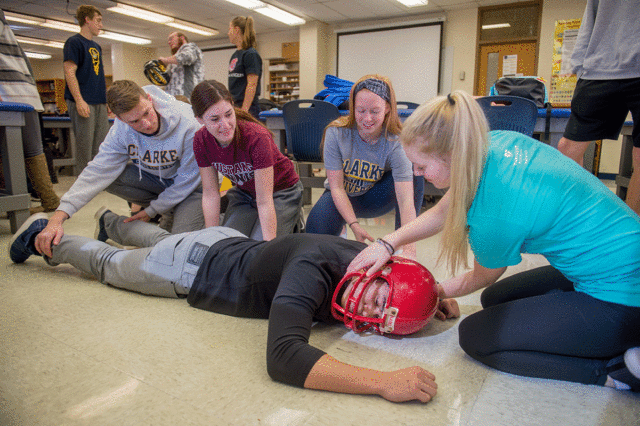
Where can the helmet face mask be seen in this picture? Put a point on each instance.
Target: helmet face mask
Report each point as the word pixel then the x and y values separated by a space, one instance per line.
pixel 156 73
pixel 410 304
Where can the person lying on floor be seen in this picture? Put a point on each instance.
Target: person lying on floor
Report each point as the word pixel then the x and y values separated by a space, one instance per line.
pixel 292 280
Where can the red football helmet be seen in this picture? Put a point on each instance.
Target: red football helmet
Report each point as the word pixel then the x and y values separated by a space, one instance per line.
pixel 410 305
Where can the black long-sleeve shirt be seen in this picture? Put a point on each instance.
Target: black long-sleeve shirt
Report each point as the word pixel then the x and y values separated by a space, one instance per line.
pixel 289 280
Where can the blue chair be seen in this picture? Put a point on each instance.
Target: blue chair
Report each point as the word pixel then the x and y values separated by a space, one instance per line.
pixel 406 105
pixel 510 113
pixel 304 124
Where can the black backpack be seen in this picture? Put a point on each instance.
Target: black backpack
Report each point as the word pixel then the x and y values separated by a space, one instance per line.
pixel 529 88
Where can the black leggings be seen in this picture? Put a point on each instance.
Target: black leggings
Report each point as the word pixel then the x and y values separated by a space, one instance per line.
pixel 534 324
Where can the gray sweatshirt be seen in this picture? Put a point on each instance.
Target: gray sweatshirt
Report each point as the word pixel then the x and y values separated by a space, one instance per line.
pixel 168 154
pixel 608 44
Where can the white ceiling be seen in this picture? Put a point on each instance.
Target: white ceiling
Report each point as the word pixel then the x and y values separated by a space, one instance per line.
pixel 215 14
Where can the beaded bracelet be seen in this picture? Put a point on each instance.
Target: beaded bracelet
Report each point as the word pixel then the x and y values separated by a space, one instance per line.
pixel 386 245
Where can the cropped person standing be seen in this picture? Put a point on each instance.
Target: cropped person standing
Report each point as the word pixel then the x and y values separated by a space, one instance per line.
pixel 86 88
pixel 245 66
pixel 606 59
pixel 368 173
pixel 184 65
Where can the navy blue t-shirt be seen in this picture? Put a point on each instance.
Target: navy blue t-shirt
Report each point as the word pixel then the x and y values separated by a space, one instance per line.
pixel 242 63
pixel 87 55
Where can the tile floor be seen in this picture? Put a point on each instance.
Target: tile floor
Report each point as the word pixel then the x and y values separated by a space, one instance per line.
pixel 76 352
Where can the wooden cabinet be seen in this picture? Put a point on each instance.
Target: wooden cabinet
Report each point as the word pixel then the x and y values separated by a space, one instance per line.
pixel 284 80
pixel 52 90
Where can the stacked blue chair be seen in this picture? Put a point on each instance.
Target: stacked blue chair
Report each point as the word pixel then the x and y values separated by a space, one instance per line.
pixel 510 113
pixel 304 123
pixel 406 105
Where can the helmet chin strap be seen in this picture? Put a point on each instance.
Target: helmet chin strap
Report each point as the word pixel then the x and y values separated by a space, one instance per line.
pixel 390 316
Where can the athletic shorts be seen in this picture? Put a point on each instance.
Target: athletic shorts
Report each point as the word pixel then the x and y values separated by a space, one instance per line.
pixel 599 109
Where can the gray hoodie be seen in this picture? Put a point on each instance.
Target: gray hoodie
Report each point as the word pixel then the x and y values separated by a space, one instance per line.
pixel 168 154
pixel 608 44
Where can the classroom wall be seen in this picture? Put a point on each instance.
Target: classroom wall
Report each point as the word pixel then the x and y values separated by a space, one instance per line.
pixel 459 43
pixel 269 46
pixel 459 39
pixel 130 60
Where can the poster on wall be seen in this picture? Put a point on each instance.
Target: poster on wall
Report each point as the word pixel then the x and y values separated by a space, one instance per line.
pixel 563 82
pixel 509 65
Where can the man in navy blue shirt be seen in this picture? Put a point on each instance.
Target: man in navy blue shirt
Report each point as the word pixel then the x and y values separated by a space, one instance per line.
pixel 86 89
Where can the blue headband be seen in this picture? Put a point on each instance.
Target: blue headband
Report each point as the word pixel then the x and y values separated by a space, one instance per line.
pixel 378 87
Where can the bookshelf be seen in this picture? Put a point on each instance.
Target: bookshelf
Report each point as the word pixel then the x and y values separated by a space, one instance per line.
pixel 284 75
pixel 52 90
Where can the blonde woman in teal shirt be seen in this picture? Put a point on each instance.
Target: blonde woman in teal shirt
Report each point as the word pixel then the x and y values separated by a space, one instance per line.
pixel 574 320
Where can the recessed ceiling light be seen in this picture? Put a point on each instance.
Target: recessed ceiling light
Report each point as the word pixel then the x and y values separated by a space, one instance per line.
pixel 40 42
pixel 493 26
pixel 280 15
pixel 125 38
pixel 193 28
pixel 413 3
pixel 270 11
pixel 248 4
pixel 59 25
pixel 35 55
pixel 25 19
pixel 136 12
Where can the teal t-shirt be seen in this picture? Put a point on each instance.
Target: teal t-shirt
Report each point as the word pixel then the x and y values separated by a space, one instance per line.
pixel 533 199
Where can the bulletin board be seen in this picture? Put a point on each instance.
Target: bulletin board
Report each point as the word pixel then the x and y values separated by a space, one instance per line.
pixel 563 82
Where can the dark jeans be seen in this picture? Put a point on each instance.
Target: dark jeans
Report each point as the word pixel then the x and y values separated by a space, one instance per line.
pixel 534 324
pixel 325 218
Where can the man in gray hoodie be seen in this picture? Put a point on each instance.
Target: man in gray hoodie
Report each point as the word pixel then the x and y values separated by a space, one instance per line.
pixel 147 159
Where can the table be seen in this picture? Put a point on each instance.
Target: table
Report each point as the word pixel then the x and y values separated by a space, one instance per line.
pixel 15 200
pixel 64 123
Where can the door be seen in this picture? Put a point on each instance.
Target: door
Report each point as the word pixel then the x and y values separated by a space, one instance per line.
pixel 496 59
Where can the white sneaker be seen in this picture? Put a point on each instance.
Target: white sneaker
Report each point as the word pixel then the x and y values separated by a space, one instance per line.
pixel 632 361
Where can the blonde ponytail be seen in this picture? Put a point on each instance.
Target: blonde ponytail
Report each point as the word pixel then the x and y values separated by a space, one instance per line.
pixel 454 126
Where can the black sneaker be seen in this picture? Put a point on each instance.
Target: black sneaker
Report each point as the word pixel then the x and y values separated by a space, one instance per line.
pixel 100 233
pixel 22 244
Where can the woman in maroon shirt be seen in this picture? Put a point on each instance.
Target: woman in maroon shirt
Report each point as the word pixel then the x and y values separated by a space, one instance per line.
pixel 266 198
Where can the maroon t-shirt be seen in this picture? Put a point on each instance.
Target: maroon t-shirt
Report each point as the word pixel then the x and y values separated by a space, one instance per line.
pixel 254 150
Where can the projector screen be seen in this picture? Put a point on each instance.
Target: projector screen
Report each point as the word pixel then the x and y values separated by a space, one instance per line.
pixel 409 56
